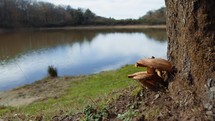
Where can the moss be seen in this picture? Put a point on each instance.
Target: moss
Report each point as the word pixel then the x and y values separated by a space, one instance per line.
pixel 152 112
pixel 137 91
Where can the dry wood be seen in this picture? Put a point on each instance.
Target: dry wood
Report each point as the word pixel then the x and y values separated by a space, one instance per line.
pixel 135 74
pixel 157 63
pixel 152 78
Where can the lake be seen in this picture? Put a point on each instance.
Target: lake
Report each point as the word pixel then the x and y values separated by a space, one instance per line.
pixel 26 55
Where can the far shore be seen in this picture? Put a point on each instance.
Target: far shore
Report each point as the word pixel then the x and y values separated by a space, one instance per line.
pixel 90 27
pixel 111 27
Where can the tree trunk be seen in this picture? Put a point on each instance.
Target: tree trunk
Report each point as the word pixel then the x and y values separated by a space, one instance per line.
pixel 191 49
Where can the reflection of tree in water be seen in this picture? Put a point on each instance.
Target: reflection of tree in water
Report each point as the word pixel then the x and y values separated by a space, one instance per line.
pixel 19 42
pixel 13 43
pixel 156 34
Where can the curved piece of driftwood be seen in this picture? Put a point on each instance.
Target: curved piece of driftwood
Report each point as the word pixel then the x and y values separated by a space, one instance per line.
pixel 152 78
pixel 141 76
pixel 136 74
pixel 156 63
pixel 150 70
pixel 146 80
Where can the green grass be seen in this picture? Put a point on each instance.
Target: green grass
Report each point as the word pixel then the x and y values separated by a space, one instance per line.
pixel 89 90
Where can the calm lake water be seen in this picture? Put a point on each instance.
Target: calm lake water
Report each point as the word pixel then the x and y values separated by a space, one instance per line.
pixel 25 55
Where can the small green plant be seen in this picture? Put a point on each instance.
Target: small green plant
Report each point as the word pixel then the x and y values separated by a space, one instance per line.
pixel 129 115
pixel 138 91
pixel 152 112
pixel 92 114
pixel 52 71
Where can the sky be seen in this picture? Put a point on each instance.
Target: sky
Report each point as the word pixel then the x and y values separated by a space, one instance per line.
pixel 118 9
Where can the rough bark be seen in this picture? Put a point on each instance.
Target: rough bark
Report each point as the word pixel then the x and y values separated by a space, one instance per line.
pixel 191 49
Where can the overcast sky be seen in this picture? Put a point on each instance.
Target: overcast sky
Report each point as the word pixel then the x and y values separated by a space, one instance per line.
pixel 118 9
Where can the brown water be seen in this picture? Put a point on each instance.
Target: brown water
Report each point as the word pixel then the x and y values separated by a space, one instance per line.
pixel 25 55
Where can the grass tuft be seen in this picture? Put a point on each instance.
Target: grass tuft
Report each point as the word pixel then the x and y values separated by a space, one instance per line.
pixel 52 71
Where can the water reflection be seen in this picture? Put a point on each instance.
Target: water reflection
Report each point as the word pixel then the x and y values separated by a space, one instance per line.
pixel 72 52
pixel 13 43
pixel 156 34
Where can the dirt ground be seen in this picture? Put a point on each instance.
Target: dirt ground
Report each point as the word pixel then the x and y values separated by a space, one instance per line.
pixel 37 91
pixel 132 104
pixel 135 104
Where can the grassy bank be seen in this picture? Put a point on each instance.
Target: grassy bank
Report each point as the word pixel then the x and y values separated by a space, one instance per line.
pixel 75 93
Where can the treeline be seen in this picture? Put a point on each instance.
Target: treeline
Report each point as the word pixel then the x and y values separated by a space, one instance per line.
pixel 30 13
pixel 154 17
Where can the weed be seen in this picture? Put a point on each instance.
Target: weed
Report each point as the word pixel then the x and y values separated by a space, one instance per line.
pixel 128 116
pixel 94 114
pixel 152 112
pixel 52 71
pixel 137 91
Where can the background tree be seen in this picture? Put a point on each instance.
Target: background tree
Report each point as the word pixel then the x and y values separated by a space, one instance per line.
pixel 30 13
pixel 154 17
pixel 89 17
pixel 191 49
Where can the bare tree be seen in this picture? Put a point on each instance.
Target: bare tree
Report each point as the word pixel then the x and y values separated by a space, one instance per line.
pixel 191 49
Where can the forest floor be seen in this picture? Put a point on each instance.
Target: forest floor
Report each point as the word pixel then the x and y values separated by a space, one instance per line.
pixel 107 96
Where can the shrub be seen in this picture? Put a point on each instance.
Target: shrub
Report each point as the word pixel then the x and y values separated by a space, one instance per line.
pixel 52 71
